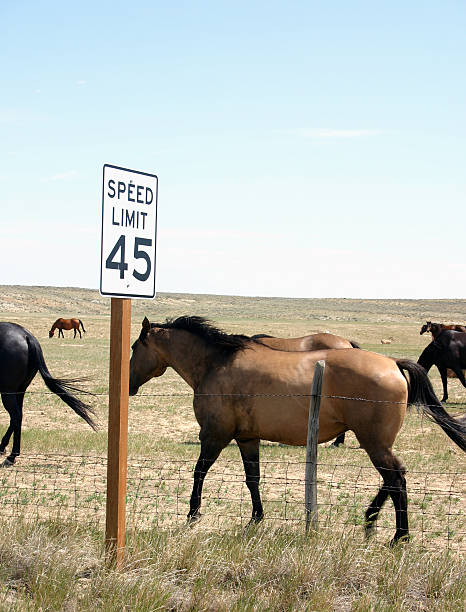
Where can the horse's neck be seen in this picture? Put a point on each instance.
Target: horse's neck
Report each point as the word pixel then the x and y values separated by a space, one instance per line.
pixel 428 356
pixel 187 354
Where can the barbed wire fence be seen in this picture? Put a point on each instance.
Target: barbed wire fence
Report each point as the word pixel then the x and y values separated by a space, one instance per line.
pixel 73 487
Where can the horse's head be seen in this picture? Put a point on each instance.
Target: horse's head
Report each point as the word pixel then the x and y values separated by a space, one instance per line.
pixel 51 332
pixel 146 362
pixel 425 328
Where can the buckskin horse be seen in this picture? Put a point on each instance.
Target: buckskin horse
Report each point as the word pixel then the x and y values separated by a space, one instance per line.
pixel 447 352
pixel 247 392
pixel 21 358
pixel 311 342
pixel 67 324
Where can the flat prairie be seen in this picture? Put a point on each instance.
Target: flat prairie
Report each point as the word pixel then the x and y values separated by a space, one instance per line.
pixel 59 448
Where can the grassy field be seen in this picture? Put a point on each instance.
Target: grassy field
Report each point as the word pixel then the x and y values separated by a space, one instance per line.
pixel 60 479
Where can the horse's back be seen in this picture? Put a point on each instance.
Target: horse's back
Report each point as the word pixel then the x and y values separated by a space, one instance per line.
pixel 326 341
pixel 312 342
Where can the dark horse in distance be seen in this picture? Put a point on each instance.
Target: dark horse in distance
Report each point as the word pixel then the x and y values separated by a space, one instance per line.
pixel 248 392
pixel 437 328
pixel 447 351
pixel 67 324
pixel 21 358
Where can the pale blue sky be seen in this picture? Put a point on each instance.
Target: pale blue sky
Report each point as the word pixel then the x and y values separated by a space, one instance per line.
pixel 303 149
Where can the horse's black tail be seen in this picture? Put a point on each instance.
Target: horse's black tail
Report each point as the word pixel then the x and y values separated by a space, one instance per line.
pixel 82 325
pixel 420 392
pixel 60 386
pixel 355 344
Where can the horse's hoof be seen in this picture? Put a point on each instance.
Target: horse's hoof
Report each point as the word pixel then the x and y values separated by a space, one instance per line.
pixel 7 463
pixel 193 519
pixel 254 521
pixel 404 539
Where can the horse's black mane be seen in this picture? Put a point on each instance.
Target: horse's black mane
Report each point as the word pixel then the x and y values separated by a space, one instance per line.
pixel 203 328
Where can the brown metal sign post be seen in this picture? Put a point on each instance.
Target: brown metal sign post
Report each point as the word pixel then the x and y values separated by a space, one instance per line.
pixel 120 329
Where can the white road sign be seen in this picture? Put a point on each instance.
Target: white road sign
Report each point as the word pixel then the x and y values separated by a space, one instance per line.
pixel 129 226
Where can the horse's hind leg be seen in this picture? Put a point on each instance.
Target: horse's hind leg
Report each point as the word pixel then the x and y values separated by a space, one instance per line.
pixel 14 405
pixel 443 376
pixel 460 375
pixel 394 484
pixel 210 450
pixel 250 454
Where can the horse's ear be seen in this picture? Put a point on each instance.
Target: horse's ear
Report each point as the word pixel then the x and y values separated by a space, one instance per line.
pixel 146 324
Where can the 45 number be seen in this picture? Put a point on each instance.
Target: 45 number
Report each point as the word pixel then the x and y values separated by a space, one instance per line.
pixel 114 263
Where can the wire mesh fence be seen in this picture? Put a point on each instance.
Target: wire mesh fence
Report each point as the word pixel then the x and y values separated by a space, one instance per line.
pixel 73 487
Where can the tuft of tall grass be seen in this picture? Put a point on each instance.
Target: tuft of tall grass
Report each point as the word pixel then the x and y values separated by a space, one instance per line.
pixel 61 566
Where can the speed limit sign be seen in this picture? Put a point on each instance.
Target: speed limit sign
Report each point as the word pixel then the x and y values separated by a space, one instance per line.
pixel 129 226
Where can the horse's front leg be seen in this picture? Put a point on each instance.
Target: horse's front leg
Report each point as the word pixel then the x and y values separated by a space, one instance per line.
pixel 210 450
pixel 60 333
pixel 250 454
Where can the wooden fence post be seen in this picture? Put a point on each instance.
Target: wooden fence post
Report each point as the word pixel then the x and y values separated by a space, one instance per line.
pixel 310 501
pixel 120 331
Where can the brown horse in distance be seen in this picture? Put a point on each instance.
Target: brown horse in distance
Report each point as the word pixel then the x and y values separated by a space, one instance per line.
pixel 437 328
pixel 312 342
pixel 246 391
pixel 67 324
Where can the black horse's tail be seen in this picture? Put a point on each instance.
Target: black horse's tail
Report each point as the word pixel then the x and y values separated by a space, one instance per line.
pixel 82 325
pixel 355 344
pixel 420 392
pixel 60 386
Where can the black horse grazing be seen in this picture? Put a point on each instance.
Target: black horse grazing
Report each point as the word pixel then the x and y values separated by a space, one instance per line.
pixel 447 351
pixel 20 358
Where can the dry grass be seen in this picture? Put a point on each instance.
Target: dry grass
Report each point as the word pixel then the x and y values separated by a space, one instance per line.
pixel 53 566
pixel 59 565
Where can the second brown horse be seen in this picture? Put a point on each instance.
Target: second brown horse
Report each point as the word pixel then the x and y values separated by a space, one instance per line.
pixel 311 342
